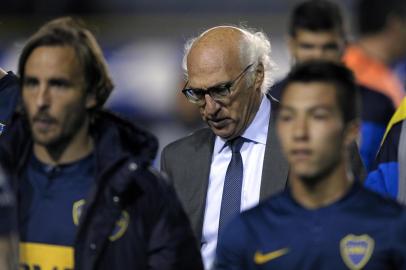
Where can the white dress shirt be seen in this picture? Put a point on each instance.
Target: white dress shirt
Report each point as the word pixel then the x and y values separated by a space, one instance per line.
pixel 252 153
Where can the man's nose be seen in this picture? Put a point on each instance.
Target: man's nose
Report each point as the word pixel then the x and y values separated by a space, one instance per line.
pixel 211 107
pixel 301 129
pixel 43 98
pixel 317 54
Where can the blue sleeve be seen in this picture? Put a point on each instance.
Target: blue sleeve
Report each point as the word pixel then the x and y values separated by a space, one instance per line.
pixel 384 179
pixel 231 247
pixel 371 136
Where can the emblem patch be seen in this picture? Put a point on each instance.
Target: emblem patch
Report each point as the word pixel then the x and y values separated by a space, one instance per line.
pixel 77 211
pixel 356 250
pixel 121 224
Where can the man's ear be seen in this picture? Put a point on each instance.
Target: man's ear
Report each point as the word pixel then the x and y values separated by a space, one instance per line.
pixel 291 44
pixel 292 47
pixel 352 132
pixel 90 101
pixel 259 76
pixel 395 25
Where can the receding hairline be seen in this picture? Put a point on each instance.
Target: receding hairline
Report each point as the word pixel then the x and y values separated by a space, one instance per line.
pixel 227 39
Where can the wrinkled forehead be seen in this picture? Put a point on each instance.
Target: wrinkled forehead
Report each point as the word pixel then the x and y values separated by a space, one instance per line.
pixel 215 55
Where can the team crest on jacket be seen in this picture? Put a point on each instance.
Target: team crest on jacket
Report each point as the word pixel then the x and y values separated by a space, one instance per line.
pixel 356 250
pixel 121 224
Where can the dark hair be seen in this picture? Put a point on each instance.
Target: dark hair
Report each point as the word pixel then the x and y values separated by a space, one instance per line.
pixel 372 15
pixel 348 96
pixel 316 15
pixel 67 31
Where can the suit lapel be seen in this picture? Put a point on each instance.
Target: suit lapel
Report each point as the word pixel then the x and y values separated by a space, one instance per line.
pixel 200 170
pixel 275 168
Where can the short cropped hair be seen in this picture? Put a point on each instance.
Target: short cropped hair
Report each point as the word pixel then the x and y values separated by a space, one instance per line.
pixel 67 31
pixel 347 92
pixel 372 15
pixel 315 16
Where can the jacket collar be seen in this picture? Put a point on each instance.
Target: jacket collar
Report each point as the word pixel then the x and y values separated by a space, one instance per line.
pixel 115 140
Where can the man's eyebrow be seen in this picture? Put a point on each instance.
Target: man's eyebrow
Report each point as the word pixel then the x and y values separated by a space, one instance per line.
pixel 312 108
pixel 220 84
pixel 321 107
pixel 331 46
pixel 284 107
pixel 213 86
pixel 30 79
pixel 60 81
pixel 307 44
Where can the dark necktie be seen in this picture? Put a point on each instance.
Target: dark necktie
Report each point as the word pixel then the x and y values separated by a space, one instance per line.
pixel 231 200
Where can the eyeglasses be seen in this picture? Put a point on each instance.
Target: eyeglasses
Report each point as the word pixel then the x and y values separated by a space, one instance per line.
pixel 217 93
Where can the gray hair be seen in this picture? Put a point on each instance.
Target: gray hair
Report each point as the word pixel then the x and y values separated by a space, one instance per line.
pixel 255 48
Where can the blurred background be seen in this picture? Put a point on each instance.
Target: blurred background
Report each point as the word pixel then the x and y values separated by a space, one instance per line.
pixel 143 43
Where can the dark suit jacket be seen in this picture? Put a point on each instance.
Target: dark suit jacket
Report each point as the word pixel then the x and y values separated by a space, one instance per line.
pixel 187 163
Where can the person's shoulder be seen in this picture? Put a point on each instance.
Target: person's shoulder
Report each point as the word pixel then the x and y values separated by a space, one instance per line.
pixel 152 185
pixel 379 205
pixel 276 89
pixel 116 134
pixel 389 149
pixel 271 206
pixel 395 131
pixel 377 106
pixel 157 182
pixel 10 80
pixel 196 138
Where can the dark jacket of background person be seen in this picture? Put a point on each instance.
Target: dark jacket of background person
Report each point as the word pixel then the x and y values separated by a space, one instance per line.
pixel 9 97
pixel 158 234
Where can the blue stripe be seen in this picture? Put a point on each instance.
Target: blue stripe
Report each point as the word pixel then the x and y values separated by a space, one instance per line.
pixel 371 136
pixel 384 179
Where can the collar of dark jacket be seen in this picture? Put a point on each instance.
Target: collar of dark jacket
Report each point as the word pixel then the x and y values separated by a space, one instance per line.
pixel 116 140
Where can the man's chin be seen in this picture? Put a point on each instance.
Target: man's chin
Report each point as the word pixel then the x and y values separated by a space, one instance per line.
pixel 224 134
pixel 45 141
pixel 310 179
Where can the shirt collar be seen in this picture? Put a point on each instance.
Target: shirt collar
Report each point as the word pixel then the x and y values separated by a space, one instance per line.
pixel 257 131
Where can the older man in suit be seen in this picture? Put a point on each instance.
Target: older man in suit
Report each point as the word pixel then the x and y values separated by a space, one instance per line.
pixel 236 162
pixel 229 70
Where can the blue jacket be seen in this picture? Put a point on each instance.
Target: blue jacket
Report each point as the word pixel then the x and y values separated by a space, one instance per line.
pixel 384 177
pixel 156 233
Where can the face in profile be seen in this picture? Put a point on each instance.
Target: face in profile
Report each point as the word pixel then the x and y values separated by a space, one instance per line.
pixel 311 129
pixel 308 45
pixel 54 95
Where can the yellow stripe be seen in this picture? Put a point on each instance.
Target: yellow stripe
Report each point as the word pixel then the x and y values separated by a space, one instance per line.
pixel 48 257
pixel 397 117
